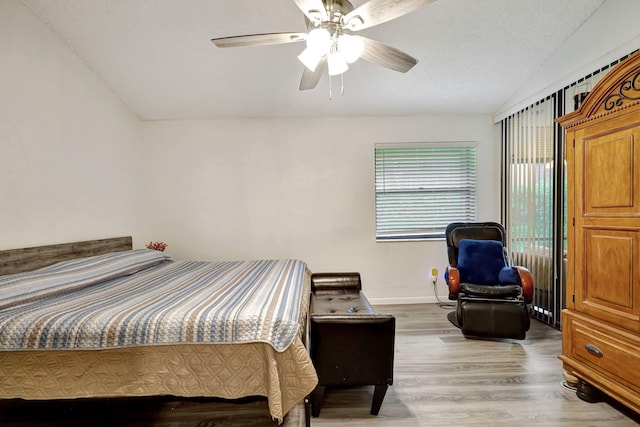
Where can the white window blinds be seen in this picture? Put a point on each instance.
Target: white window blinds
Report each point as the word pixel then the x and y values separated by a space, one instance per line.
pixel 422 187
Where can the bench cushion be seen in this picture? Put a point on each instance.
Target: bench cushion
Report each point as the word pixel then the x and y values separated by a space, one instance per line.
pixel 329 302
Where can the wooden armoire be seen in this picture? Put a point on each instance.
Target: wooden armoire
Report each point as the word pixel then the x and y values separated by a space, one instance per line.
pixel 601 322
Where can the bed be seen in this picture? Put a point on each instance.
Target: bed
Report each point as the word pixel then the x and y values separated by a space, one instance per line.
pixel 99 319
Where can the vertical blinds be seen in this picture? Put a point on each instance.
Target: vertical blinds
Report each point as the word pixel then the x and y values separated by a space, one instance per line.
pixel 531 200
pixel 534 202
pixel 422 187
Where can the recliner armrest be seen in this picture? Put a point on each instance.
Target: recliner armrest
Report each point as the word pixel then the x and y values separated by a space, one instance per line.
pixel 453 281
pixel 527 282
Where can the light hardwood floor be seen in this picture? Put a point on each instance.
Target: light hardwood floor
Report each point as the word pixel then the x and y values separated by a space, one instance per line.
pixel 441 379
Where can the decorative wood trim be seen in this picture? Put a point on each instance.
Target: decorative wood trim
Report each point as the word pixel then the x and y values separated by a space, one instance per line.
pixel 629 90
pixel 24 259
pixel 618 90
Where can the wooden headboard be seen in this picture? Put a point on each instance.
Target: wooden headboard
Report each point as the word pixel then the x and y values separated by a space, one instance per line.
pixel 25 259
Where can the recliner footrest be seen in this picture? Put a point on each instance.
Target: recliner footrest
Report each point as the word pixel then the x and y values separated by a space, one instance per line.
pixel 493 319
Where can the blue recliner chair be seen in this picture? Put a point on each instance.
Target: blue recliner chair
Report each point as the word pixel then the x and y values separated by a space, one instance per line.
pixel 491 295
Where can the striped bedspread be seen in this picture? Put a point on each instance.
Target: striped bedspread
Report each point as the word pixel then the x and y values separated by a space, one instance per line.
pixel 103 302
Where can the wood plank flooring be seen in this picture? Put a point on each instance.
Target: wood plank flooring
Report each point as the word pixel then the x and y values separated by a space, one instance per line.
pixel 441 379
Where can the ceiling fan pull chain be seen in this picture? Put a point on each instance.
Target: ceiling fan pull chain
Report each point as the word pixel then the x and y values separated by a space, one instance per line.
pixel 342 84
pixel 330 94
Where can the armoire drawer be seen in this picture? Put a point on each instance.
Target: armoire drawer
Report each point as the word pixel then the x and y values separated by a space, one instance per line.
pixel 605 351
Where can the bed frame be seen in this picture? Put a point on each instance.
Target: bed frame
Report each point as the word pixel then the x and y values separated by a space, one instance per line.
pixel 18 260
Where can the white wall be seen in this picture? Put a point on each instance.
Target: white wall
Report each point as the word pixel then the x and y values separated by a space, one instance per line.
pixel 299 188
pixel 68 147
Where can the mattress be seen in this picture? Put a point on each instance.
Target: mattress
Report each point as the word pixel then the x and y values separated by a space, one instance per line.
pixel 138 323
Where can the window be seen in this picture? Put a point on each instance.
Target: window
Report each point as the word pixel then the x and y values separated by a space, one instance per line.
pixel 422 187
pixel 530 177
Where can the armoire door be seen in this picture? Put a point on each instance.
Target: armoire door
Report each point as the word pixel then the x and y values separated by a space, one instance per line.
pixel 607 221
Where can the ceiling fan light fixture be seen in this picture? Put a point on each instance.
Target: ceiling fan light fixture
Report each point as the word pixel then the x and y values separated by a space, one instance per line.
pixel 331 41
pixel 337 63
pixel 350 47
pixel 319 41
pixel 310 59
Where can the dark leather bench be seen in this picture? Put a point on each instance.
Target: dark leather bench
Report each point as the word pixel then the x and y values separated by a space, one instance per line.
pixel 350 344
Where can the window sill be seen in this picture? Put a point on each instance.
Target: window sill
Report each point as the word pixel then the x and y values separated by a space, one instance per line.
pixel 410 239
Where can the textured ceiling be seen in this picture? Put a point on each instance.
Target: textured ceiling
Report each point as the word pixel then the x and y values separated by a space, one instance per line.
pixel 157 56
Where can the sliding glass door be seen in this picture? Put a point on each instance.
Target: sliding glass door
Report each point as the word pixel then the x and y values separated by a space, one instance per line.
pixel 532 199
pixel 534 192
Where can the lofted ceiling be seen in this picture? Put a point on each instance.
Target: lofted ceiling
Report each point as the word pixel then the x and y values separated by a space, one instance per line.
pixel 157 57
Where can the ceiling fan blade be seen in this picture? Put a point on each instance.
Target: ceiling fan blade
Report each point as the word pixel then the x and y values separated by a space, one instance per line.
pixel 312 9
pixel 259 39
pixel 376 12
pixel 310 79
pixel 387 56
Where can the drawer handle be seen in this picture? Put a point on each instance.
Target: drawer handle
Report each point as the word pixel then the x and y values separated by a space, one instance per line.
pixel 594 350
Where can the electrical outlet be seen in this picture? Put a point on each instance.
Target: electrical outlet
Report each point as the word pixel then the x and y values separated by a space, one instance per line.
pixel 434 276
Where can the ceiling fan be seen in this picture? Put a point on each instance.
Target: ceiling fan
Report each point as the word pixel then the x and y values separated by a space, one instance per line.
pixel 331 42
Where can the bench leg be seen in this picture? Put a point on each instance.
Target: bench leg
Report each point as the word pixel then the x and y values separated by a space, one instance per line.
pixel 378 397
pixel 317 398
pixel 307 411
